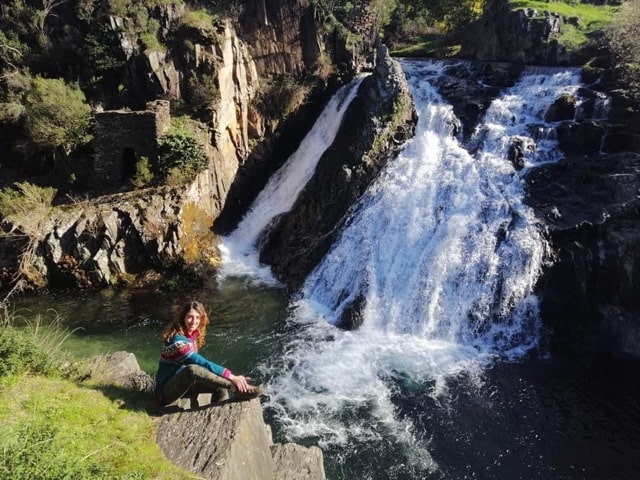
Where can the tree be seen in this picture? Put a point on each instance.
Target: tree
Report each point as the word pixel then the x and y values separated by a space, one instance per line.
pixel 57 115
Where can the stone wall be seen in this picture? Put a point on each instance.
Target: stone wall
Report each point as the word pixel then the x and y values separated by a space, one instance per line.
pixel 122 137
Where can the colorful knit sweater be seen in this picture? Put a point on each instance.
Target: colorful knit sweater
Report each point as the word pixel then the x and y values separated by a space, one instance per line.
pixel 180 351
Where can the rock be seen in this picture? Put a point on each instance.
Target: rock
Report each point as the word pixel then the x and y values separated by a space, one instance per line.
pixel 622 331
pixel 231 442
pixel 519 36
pixel 471 87
pixel 580 138
pixel 519 148
pixel 381 116
pixel 104 243
pixel 295 462
pixel 563 108
pixel 120 369
pixel 589 294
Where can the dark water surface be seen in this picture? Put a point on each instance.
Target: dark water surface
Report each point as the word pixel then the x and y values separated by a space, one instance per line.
pixel 536 419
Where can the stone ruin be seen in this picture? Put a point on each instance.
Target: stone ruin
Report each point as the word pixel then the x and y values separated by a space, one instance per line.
pixel 122 137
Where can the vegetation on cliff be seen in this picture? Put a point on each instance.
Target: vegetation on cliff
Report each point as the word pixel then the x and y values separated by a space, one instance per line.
pixel 54 426
pixel 623 37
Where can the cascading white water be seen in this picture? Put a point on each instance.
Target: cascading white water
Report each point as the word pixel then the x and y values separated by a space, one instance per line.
pixel 445 255
pixel 239 253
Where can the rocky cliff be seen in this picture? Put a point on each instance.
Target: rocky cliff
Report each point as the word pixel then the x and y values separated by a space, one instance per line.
pixel 378 120
pixel 230 74
pixel 590 293
pixel 589 200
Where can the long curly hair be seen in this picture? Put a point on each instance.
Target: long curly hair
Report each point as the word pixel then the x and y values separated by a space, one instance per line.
pixel 178 325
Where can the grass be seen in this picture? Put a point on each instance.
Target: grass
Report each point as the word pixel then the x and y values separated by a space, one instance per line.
pixel 54 427
pixel 592 18
pixel 427 45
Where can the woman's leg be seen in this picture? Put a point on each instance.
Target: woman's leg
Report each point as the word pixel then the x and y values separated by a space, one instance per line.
pixel 194 378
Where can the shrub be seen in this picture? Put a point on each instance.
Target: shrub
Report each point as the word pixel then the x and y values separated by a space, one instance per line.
pixel 33 348
pixel 143 174
pixel 182 152
pixel 202 91
pixel 57 115
pixel 284 98
pixel 21 354
pixel 30 451
pixel 25 201
pixel 199 19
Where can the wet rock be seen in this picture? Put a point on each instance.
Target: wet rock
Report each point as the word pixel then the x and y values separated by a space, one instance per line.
pixel 519 148
pixel 580 138
pixel 563 108
pixel 589 294
pixel 471 87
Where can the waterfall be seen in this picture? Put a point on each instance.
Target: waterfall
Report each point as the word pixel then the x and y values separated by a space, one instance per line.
pixel 445 255
pixel 239 252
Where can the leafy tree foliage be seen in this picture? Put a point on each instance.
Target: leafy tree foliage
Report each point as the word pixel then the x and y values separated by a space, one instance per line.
pixel 414 18
pixel 57 116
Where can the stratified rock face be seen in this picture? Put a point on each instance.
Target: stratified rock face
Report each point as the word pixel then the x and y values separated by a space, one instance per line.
pixel 100 244
pixel 506 35
pixel 380 118
pixel 231 442
pixel 282 38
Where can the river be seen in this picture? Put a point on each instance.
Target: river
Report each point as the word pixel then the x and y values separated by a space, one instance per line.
pixel 448 377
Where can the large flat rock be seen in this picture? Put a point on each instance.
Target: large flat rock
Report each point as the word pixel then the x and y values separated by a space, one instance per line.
pixel 231 442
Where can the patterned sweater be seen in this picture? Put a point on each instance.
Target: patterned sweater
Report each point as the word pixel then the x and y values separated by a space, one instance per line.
pixel 182 350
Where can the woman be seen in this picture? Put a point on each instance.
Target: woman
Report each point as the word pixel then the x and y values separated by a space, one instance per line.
pixel 183 370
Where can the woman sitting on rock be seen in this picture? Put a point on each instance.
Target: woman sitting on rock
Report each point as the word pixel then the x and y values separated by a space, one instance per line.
pixel 182 370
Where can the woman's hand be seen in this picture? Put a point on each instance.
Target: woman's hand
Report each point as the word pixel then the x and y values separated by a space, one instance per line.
pixel 240 382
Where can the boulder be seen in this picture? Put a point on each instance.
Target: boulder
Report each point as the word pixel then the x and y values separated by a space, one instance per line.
pixel 563 108
pixel 295 462
pixel 231 442
pixel 522 35
pixel 122 370
pixel 519 148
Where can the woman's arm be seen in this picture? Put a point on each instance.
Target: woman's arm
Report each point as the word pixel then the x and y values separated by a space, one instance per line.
pixel 180 350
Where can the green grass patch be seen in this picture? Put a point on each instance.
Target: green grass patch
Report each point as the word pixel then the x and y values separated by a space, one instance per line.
pixel 55 429
pixel 199 19
pixel 592 18
pixel 427 45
